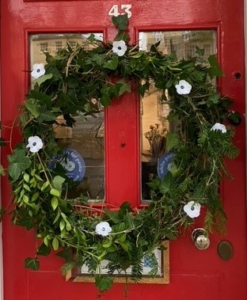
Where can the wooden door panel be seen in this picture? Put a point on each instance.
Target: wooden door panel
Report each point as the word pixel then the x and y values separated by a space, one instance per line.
pixel 194 274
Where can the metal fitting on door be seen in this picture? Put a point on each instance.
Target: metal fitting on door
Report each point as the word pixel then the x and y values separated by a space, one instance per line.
pixel 200 238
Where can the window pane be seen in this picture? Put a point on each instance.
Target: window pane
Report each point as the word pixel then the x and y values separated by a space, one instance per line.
pixel 86 138
pixel 154 124
pixel 181 43
pixel 40 43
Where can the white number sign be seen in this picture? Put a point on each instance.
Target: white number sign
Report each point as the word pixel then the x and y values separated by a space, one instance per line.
pixel 123 9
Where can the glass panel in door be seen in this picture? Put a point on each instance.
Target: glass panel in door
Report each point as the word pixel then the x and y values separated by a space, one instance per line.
pixel 86 138
pixel 153 107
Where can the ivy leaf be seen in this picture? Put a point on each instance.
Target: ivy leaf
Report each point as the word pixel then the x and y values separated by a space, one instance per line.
pixel 43 250
pixel 46 115
pixel 215 69
pixel 121 22
pixel 214 98
pixel 92 38
pixel 234 118
pixel 112 63
pixel 19 162
pixel 32 263
pixel 99 59
pixel 122 36
pixel 112 215
pixel 105 98
pixel 33 106
pixel 124 87
pixel 24 219
pixel 124 208
pixel 41 98
pixel 43 78
pixel 154 184
pixel 172 141
pixel 103 283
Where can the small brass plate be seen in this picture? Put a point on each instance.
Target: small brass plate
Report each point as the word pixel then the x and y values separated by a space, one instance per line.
pixel 225 250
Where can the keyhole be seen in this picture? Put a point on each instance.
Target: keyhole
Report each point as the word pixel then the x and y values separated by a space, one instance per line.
pixel 122 145
pixel 237 75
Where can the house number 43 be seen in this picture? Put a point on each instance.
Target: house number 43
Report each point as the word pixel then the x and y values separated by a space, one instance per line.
pixel 122 9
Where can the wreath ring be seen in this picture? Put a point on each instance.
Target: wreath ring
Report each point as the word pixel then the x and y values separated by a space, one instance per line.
pixel 80 233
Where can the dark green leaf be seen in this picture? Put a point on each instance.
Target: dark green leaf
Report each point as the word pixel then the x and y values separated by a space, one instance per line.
pixel 32 263
pixel 2 213
pixel 214 69
pixel 122 36
pixel 106 96
pixel 65 254
pixel 103 283
pixel 112 63
pixel 43 250
pixel 214 98
pixel 19 162
pixel 172 141
pixel 123 88
pixel 121 21
pixel 2 142
pixel 34 107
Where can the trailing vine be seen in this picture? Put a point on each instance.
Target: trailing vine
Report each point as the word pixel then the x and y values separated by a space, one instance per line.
pixel 80 82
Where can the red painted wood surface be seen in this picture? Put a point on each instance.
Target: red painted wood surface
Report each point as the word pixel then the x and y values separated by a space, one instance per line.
pixel 194 274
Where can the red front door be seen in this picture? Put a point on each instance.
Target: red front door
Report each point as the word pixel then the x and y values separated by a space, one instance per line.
pixel 194 274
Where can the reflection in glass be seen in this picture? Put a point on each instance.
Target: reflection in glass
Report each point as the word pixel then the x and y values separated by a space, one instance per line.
pixel 154 111
pixel 53 42
pixel 181 43
pixel 87 136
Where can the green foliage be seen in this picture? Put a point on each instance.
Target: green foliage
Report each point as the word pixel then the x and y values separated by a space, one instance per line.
pixel 32 263
pixel 18 162
pixel 72 79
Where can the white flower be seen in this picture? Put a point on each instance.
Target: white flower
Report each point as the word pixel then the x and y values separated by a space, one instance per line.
pixel 34 143
pixel 218 126
pixel 183 87
pixel 192 209
pixel 103 228
pixel 38 70
pixel 119 47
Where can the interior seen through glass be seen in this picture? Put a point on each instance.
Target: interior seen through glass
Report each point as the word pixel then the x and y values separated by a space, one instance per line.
pixel 86 138
pixel 155 161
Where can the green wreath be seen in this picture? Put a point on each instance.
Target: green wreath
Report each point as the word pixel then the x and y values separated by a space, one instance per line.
pixel 80 233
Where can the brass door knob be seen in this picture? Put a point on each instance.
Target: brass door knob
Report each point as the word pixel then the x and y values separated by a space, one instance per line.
pixel 200 238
